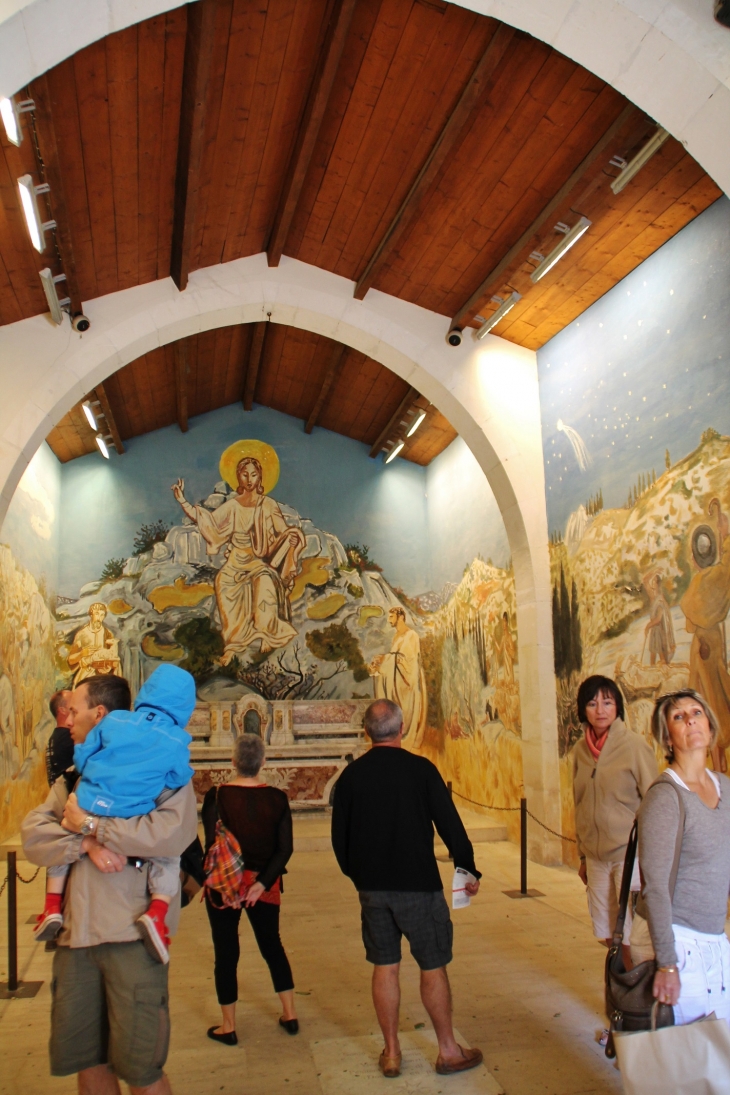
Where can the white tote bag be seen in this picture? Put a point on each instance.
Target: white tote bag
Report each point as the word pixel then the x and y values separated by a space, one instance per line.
pixel 689 1060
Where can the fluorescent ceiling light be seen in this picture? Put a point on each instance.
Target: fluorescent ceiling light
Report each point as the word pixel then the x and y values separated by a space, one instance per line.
pixel 416 424
pixel 11 121
pixel 562 248
pixel 642 157
pixel 101 443
pixel 86 408
pixel 55 306
pixel 394 452
pixel 36 227
pixel 501 312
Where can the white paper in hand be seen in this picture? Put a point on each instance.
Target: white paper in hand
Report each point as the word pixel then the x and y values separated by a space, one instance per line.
pixel 459 897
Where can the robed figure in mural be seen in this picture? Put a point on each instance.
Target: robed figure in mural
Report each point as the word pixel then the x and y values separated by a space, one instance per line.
pixel 399 677
pixel 705 605
pixel 94 651
pixel 659 631
pixel 262 552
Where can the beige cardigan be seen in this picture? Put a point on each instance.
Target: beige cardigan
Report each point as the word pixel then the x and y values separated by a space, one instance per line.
pixel 103 908
pixel 608 792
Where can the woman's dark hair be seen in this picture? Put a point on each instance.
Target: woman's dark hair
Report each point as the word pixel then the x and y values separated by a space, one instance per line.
pixel 590 688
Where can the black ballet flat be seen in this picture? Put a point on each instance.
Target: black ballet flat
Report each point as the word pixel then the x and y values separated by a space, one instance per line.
pixel 229 1039
pixel 291 1026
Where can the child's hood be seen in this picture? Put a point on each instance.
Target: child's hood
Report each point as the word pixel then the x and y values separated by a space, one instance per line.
pixel 170 690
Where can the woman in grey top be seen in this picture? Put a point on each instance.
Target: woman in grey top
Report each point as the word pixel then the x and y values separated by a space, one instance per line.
pixel 686 929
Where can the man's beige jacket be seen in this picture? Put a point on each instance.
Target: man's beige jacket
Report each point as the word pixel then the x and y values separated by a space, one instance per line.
pixel 608 791
pixel 103 908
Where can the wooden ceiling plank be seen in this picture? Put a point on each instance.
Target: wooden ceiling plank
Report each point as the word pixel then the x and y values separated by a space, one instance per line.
pixel 123 98
pixel 92 86
pixel 309 128
pixel 109 418
pixel 254 363
pixel 47 142
pixel 394 422
pixel 523 242
pixel 181 383
pixel 151 42
pixel 329 378
pixel 199 43
pixel 175 36
pixel 476 88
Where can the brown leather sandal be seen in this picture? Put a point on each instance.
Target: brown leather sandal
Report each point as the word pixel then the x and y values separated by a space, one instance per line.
pixel 470 1058
pixel 390 1066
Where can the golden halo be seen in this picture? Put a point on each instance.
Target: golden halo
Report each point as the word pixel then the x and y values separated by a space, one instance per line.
pixel 262 452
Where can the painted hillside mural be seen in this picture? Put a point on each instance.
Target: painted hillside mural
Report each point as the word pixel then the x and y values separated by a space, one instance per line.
pixel 255 600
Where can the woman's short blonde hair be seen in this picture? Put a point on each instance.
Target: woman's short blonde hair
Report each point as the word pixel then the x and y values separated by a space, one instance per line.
pixel 664 704
pixel 248 754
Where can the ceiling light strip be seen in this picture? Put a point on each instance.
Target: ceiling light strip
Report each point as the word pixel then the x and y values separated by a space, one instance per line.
pixel 499 315
pixel 641 158
pixel 394 452
pixel 562 248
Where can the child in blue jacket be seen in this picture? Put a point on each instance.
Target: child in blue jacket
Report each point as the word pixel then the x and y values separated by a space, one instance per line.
pixel 125 763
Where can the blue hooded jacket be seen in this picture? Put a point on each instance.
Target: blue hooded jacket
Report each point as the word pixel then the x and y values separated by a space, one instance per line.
pixel 130 757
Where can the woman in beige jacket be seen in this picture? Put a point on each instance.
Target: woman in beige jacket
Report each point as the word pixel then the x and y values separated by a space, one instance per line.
pixel 612 770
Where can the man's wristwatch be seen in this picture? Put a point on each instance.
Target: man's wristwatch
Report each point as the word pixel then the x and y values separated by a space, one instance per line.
pixel 88 828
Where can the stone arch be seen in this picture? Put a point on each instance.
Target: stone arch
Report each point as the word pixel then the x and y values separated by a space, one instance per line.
pixel 671 59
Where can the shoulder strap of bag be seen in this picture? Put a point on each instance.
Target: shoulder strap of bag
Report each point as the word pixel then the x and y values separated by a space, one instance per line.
pixel 630 858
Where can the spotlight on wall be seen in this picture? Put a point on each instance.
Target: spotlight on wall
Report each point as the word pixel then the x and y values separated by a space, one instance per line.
pixel 102 446
pixel 641 158
pixel 28 196
pixel 419 419
pixel 505 307
pixel 10 112
pixel 571 237
pixel 394 452
pixel 55 305
pixel 90 416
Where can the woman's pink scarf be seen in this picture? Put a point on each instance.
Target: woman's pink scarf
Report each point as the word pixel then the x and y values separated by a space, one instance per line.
pixel 595 744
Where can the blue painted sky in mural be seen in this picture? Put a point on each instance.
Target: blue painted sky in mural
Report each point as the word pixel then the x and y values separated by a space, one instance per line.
pixel 643 370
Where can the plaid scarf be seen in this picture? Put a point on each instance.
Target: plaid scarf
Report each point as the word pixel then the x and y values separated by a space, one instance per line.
pixel 226 875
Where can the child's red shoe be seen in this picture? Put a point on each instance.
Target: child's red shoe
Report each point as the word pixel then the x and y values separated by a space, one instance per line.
pixel 153 929
pixel 50 922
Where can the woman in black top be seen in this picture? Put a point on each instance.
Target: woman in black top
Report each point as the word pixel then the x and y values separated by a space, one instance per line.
pixel 260 818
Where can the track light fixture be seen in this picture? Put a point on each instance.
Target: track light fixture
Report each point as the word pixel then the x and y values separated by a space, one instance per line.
pixel 102 446
pixel 55 305
pixel 417 422
pixel 88 410
pixel 642 157
pixel 10 112
pixel 394 452
pixel 505 307
pixel 572 236
pixel 37 227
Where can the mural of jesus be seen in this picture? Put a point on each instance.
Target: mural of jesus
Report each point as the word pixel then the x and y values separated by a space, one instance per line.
pixel 262 553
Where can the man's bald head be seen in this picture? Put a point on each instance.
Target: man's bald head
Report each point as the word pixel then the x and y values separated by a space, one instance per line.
pixel 383 721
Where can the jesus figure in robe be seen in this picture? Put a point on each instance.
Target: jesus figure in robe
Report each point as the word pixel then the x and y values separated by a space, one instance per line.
pixel 262 561
pixel 399 677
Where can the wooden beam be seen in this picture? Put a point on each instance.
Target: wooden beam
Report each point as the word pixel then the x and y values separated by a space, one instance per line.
pixel 472 94
pixel 329 378
pixel 309 127
pixel 45 135
pixel 108 414
pixel 410 397
pixel 256 353
pixel 525 241
pixel 196 72
pixel 181 384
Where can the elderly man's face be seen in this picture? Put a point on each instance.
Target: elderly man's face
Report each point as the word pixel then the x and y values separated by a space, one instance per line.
pixel 81 717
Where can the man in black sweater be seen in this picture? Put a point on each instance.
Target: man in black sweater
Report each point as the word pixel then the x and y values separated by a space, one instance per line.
pixel 385 807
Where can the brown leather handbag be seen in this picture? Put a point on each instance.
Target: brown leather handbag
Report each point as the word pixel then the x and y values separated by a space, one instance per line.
pixel 629 999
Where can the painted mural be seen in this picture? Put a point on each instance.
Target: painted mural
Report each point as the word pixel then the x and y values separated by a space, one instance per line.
pixel 635 401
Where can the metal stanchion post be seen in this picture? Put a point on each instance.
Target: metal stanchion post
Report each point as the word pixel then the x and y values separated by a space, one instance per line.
pixel 13 987
pixel 523 890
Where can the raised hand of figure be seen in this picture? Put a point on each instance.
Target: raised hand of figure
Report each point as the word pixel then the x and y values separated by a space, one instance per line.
pixel 177 489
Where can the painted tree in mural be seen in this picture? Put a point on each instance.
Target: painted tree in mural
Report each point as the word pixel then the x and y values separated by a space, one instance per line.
pixel 568 646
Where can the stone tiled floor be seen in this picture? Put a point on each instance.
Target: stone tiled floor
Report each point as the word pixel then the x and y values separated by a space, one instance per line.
pixel 527 981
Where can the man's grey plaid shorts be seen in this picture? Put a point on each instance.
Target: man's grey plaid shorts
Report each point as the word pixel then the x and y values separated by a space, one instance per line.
pixel 423 918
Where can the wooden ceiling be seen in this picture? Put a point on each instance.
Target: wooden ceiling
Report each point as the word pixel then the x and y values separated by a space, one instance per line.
pixel 408 145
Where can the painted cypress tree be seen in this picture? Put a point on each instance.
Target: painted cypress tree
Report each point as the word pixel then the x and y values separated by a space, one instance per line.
pixel 576 646
pixel 565 628
pixel 557 634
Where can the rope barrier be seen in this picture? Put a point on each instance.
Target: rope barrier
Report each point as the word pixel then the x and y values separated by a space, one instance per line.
pixel 485 806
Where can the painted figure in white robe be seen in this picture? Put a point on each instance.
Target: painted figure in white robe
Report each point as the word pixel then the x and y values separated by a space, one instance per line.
pixel 262 561
pixel 399 677
pixel 94 651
